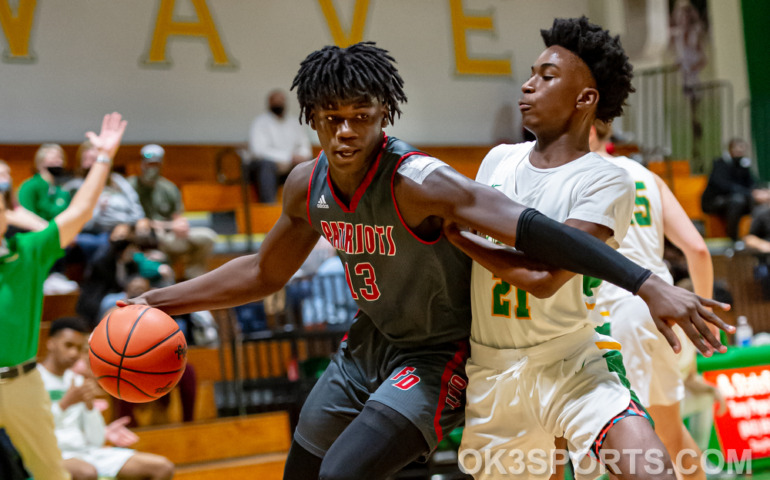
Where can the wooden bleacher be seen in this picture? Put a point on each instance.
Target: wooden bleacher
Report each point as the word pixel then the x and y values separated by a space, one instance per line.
pixel 253 446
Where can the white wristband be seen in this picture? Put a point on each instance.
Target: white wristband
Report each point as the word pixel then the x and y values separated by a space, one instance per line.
pixel 103 158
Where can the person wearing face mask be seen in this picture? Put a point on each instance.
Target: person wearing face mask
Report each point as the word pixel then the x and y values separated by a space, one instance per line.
pixel 118 203
pixel 19 218
pixel 162 204
pixel 42 194
pixel 276 144
pixel 732 190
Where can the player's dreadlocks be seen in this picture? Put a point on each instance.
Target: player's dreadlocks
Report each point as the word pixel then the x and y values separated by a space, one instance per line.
pixel 604 56
pixel 362 70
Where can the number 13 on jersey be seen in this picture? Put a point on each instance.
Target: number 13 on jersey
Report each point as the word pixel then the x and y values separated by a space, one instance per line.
pixel 369 291
pixel 501 305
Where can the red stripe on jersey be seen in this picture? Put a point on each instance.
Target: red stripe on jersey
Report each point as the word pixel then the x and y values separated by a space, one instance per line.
pixel 309 186
pixel 460 356
pixel 364 184
pixel 395 204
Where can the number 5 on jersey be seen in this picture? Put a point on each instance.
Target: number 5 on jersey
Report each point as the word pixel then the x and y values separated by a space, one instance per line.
pixel 501 306
pixel 370 291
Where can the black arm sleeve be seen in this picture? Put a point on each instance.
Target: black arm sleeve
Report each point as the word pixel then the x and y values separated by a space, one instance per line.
pixel 569 248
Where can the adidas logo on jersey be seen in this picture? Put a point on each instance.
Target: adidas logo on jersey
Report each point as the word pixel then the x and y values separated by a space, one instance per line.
pixel 322 203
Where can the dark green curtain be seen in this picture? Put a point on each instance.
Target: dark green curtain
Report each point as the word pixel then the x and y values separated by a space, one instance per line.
pixel 756 18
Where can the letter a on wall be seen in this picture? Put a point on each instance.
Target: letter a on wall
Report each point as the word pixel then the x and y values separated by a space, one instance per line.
pixel 17 28
pixel 357 26
pixel 204 27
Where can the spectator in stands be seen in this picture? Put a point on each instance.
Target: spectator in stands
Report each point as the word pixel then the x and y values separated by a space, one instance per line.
pixel 732 190
pixel 276 144
pixel 41 194
pixel 25 410
pixel 118 203
pixel 112 267
pixel 19 218
pixel 80 427
pixel 162 203
pixel 759 233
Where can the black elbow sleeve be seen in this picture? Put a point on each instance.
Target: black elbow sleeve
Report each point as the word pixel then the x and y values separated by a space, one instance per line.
pixel 569 248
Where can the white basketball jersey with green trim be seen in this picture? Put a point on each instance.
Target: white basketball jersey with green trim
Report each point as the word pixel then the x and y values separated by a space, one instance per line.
pixel 643 244
pixel 589 189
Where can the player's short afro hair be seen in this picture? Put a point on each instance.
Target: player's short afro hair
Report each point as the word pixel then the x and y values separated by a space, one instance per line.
pixel 362 70
pixel 604 56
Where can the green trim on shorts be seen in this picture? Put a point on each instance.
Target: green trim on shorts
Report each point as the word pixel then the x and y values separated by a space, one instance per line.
pixel 614 361
pixel 604 329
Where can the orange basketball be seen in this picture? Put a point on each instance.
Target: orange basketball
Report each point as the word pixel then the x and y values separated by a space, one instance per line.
pixel 138 353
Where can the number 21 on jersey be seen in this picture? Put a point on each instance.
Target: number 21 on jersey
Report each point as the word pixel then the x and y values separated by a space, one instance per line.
pixel 501 305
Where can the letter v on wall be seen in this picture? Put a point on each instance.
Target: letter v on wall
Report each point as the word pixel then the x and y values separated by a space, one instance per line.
pixel 17 29
pixel 357 27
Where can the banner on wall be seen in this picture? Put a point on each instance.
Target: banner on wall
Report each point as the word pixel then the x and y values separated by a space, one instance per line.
pixel 745 425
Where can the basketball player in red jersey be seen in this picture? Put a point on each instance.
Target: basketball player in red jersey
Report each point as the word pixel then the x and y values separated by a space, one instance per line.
pixel 396 384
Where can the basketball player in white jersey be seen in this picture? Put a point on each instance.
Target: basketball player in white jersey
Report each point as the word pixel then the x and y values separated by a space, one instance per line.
pixel 651 365
pixel 538 370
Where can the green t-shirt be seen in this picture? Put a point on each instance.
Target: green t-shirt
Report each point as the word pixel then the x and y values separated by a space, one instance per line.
pixel 45 200
pixel 160 201
pixel 23 269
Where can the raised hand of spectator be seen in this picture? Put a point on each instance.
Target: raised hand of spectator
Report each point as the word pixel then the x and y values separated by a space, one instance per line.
pixel 108 140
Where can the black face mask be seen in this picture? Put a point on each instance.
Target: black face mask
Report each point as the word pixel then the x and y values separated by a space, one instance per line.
pixel 120 245
pixel 56 171
pixel 277 109
pixel 146 240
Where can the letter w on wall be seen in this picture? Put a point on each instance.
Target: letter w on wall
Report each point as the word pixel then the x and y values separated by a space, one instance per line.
pixel 17 29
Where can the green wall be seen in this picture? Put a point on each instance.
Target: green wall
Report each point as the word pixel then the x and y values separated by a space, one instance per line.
pixel 756 14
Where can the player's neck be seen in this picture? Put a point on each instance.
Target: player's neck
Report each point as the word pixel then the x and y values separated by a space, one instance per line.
pixel 557 151
pixel 50 365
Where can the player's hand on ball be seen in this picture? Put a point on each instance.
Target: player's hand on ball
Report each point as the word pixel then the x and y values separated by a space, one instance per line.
pixel 131 301
pixel 673 305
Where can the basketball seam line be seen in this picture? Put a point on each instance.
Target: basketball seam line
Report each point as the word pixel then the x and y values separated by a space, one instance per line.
pixel 125 346
pixel 135 371
pixel 130 383
pixel 154 346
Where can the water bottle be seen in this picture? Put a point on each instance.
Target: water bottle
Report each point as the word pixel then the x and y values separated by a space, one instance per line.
pixel 743 332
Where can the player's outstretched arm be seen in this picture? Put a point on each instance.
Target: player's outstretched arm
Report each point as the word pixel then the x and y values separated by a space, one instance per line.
pixel 451 196
pixel 81 208
pixel 251 277
pixel 669 305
